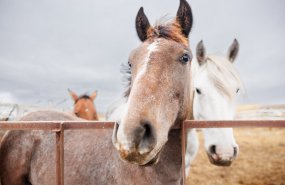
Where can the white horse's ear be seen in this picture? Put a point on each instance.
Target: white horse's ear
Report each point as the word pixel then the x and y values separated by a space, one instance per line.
pixel 200 52
pixel 142 25
pixel 93 95
pixel 73 95
pixel 233 50
pixel 184 17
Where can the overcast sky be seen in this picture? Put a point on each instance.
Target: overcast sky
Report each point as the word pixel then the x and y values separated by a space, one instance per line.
pixel 47 46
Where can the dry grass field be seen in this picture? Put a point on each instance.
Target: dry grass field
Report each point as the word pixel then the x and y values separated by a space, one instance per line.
pixel 261 159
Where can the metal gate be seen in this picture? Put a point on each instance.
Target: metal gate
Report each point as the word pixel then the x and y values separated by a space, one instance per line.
pixel 60 127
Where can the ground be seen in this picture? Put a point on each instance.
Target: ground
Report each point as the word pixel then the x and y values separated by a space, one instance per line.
pixel 261 160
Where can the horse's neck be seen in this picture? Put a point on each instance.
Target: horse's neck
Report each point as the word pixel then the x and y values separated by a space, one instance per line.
pixel 170 164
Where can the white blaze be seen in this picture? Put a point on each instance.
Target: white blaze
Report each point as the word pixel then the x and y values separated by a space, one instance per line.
pixel 123 139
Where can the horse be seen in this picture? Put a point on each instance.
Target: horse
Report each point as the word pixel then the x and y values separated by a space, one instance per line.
pixel 216 87
pixel 144 148
pixel 83 106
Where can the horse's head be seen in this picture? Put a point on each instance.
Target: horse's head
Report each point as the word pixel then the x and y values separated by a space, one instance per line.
pixel 84 106
pixel 158 96
pixel 217 85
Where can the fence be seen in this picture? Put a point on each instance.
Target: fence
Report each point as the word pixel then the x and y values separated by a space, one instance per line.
pixel 60 127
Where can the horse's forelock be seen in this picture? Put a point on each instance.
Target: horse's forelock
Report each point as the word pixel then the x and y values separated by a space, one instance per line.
pixel 168 29
pixel 219 70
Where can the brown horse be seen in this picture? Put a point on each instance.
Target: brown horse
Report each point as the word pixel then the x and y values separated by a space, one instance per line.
pixel 83 105
pixel 157 100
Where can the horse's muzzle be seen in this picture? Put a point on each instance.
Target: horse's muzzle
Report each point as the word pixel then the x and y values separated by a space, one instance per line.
pixel 139 151
pixel 219 159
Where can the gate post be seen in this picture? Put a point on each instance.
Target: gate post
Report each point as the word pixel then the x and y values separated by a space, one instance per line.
pixel 60 155
pixel 183 146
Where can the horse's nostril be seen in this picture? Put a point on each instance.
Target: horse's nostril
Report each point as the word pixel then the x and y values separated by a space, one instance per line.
pixel 147 141
pixel 148 129
pixel 235 151
pixel 213 149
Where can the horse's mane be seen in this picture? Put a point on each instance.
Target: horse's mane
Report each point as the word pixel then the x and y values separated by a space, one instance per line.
pixel 220 70
pixel 114 111
pixel 127 79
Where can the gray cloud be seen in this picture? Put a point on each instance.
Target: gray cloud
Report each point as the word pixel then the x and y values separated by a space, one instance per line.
pixel 48 46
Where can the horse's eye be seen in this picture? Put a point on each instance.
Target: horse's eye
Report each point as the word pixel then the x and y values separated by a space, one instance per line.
pixel 237 90
pixel 185 58
pixel 198 91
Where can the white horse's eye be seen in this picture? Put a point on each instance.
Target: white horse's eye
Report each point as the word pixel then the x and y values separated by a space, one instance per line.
pixel 198 91
pixel 237 90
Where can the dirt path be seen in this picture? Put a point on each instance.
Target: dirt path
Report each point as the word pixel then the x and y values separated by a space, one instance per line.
pixel 261 161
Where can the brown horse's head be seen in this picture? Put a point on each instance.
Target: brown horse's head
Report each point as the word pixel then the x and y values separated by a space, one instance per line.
pixel 159 93
pixel 84 106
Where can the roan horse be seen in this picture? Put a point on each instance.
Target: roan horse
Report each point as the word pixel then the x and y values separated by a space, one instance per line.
pixel 158 100
pixel 83 106
pixel 216 86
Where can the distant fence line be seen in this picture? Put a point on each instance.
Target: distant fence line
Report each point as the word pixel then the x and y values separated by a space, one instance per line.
pixel 12 112
pixel 60 127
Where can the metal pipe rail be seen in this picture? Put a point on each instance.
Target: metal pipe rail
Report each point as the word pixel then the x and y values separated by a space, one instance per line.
pixel 188 124
pixel 60 126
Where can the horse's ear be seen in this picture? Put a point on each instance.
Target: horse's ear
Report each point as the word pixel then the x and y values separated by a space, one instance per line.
pixel 185 17
pixel 73 95
pixel 200 53
pixel 233 50
pixel 93 95
pixel 142 25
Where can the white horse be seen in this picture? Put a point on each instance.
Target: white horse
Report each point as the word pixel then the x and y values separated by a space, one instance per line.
pixel 216 85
